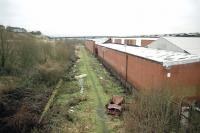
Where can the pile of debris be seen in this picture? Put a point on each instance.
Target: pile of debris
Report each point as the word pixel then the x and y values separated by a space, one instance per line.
pixel 114 107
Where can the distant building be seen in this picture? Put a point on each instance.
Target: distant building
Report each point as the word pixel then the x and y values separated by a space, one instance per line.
pixel 16 29
pixel 189 45
pixel 140 41
pixel 130 41
pixel 101 40
pixel 91 43
pixel 117 41
pixel 2 27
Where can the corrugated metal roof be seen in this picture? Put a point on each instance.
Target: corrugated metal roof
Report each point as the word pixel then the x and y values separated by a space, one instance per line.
pixel 189 44
pixel 167 58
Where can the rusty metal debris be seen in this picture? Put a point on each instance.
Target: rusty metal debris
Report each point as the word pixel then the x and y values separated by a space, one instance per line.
pixel 114 107
pixel 117 100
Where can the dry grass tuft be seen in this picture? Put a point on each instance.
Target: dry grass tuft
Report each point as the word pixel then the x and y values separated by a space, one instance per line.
pixel 50 72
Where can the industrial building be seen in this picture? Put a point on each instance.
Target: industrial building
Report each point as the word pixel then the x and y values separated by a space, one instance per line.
pixel 189 45
pixel 134 41
pixel 146 68
pixel 16 29
pixel 2 27
pixel 91 43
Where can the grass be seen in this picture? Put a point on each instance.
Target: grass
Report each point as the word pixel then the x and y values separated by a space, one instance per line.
pixel 98 95
pixel 76 112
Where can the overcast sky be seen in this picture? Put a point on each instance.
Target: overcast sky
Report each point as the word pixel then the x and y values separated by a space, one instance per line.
pixel 102 17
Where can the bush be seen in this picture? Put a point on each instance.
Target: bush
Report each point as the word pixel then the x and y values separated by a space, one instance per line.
pixel 36 59
pixel 23 52
pixel 152 112
pixel 50 72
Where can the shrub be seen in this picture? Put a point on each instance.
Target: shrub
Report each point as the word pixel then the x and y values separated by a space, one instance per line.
pixel 152 112
pixel 22 52
pixel 50 72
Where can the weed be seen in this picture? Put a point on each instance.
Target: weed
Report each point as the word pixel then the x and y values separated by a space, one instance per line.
pixel 76 100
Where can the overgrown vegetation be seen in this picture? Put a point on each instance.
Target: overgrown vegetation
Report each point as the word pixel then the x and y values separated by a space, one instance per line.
pixel 30 67
pixel 74 111
pixel 157 111
pixel 21 52
pixel 150 113
pixel 63 115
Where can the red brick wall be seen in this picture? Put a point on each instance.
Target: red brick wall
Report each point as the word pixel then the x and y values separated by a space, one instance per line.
pixel 118 41
pixel 185 77
pixel 144 74
pixel 100 51
pixel 146 42
pixel 90 45
pixel 117 60
pixel 130 41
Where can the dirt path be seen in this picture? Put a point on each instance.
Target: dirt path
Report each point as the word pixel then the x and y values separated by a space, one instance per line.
pixel 97 88
pixel 77 112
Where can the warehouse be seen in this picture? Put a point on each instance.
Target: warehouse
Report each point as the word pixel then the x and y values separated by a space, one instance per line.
pixel 90 43
pixel 189 45
pixel 134 41
pixel 146 69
